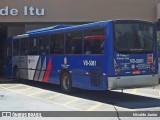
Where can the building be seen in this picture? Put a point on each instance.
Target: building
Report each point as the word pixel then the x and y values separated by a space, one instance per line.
pixel 18 16
pixel 74 12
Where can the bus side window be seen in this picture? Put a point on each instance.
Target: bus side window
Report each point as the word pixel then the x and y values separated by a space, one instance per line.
pixel 44 45
pixel 57 44
pixel 74 42
pixel 94 41
pixel 16 47
pixel 33 46
pixel 24 46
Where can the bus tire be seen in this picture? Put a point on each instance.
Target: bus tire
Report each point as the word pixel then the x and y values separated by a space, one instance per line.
pixel 16 75
pixel 66 83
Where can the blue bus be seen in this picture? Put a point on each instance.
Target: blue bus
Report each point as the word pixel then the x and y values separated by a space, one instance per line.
pixel 105 55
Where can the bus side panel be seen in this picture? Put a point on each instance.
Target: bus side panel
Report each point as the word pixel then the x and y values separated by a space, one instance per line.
pixel 109 51
pixel 53 66
pixel 26 65
pixel 21 62
pixel 156 50
pixel 108 64
pixel 32 66
pixel 83 69
pixel 86 71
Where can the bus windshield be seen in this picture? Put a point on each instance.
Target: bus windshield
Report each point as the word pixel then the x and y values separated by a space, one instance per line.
pixel 133 37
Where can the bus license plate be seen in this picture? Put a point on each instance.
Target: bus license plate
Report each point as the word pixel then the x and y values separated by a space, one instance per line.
pixel 136 72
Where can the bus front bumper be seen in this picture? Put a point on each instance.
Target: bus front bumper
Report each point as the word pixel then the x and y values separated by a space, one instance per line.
pixel 126 82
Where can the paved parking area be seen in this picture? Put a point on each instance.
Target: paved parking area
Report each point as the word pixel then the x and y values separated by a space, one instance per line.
pixel 46 97
pixel 66 102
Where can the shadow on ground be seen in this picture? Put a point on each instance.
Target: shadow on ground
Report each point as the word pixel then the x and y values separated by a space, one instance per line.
pixel 125 100
pixel 120 99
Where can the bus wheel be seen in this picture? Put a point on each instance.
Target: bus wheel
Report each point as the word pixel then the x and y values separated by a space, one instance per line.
pixel 16 75
pixel 66 83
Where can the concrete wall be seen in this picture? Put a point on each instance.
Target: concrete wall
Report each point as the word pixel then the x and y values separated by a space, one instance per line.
pixel 13 30
pixel 75 12
pixel 83 10
pixel 31 26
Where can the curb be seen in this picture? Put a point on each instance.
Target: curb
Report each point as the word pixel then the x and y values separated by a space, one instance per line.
pixel 6 80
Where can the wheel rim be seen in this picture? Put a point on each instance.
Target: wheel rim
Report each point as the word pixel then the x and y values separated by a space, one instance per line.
pixel 66 83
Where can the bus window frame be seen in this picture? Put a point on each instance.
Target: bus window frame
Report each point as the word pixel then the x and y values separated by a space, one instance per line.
pixel 52 37
pixel 14 40
pixel 104 29
pixel 20 46
pixel 82 39
pixel 132 21
pixel 39 38
pixel 37 42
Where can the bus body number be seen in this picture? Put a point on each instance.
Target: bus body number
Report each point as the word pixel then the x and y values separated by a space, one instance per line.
pixel 89 62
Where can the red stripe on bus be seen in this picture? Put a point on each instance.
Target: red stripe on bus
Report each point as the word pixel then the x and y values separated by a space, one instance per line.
pixel 48 70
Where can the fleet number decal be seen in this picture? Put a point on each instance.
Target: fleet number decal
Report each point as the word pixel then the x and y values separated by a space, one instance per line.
pixel 89 62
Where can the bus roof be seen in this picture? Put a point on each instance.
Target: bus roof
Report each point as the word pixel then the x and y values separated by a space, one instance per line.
pixel 18 36
pixel 47 28
pixel 70 28
pixel 66 28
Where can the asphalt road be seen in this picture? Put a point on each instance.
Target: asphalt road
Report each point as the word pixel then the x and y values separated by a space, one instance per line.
pixel 33 96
